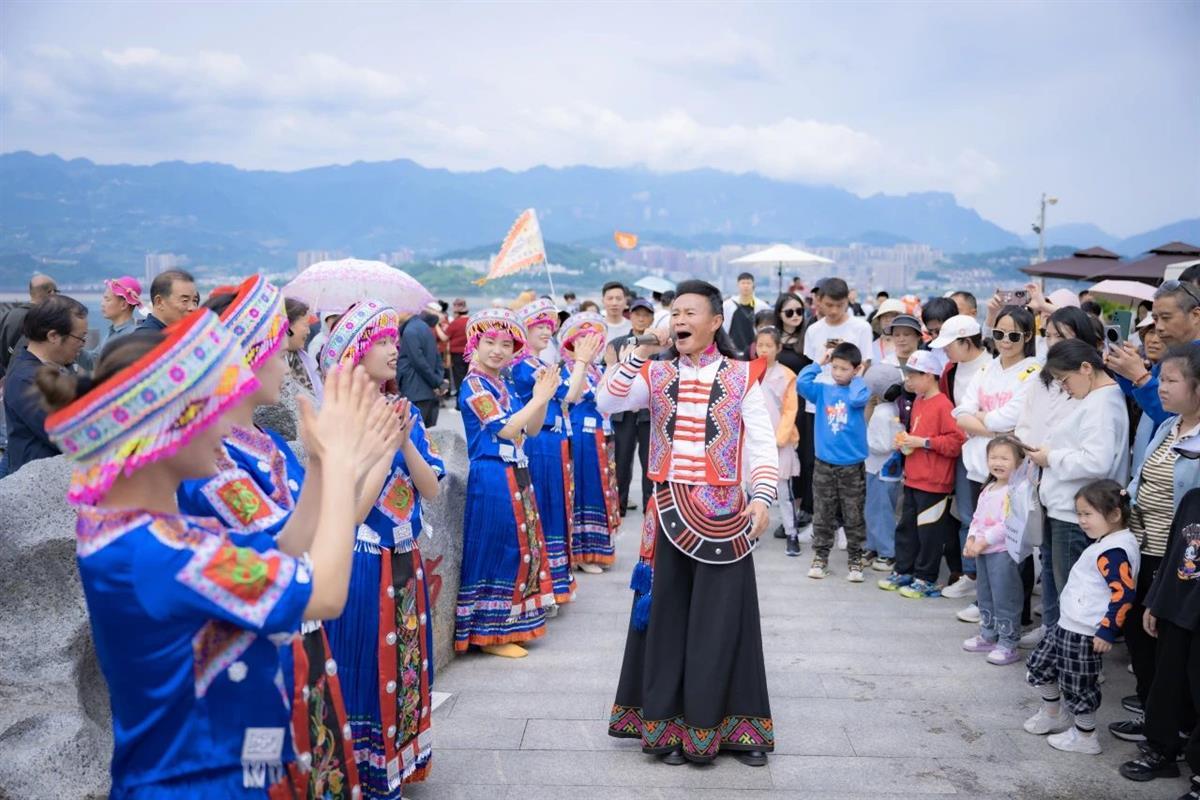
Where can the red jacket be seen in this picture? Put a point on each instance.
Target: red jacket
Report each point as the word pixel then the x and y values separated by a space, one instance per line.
pixel 932 470
pixel 457 331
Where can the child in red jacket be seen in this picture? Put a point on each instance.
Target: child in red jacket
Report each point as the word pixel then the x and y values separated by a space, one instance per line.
pixel 931 447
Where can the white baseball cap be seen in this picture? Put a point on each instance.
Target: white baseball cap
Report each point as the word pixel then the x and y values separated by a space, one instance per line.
pixel 1147 321
pixel 923 361
pixel 957 327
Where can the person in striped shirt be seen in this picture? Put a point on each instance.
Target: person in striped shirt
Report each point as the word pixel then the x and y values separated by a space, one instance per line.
pixel 695 620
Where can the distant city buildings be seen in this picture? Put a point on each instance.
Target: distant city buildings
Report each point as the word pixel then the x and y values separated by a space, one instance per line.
pixel 398 258
pixel 306 258
pixel 161 262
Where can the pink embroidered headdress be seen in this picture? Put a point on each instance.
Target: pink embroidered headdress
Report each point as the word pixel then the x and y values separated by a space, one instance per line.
pixel 497 322
pixel 362 325
pixel 257 317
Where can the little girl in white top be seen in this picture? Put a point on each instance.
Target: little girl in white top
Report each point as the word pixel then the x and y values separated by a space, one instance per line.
pixel 999 591
pixel 1098 594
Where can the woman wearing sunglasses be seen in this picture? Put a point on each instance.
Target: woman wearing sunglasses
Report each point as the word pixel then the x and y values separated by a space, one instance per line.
pixel 992 404
pixel 792 322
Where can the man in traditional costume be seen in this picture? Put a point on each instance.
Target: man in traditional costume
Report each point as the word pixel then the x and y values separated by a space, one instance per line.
pixel 693 681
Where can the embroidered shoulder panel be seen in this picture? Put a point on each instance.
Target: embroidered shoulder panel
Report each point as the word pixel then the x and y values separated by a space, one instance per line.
pixel 240 501
pixel 240 580
pixel 663 380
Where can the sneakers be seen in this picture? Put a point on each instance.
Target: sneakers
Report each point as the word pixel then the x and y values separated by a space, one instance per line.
pixel 1003 656
pixel 803 519
pixel 894 581
pixel 883 564
pixel 919 590
pixel 1132 704
pixel 978 644
pixel 1044 722
pixel 1073 740
pixel 1130 730
pixel 963 587
pixel 1031 637
pixel 868 558
pixel 1193 791
pixel 793 546
pixel 780 533
pixel 968 614
pixel 855 575
pixel 819 569
pixel 1150 764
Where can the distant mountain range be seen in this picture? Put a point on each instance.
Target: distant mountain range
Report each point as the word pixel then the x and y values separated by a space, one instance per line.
pixel 1080 235
pixel 109 216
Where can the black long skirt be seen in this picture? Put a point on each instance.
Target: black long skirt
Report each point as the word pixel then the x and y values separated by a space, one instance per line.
pixel 695 678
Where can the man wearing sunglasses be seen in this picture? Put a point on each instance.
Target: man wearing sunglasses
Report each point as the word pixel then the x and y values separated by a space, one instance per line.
pixel 1177 321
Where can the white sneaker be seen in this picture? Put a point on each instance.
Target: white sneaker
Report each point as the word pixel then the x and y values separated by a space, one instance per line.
pixel 1044 722
pixel 1030 638
pixel 969 614
pixel 963 587
pixel 1073 740
pixel 841 539
pixel 855 576
pixel 819 569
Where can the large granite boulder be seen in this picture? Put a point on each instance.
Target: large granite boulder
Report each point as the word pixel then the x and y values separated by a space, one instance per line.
pixel 55 724
pixel 55 721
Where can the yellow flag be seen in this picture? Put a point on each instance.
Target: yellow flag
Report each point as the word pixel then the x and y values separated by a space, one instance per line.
pixel 522 248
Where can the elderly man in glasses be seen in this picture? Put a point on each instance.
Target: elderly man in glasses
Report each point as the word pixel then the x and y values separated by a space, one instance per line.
pixel 1177 321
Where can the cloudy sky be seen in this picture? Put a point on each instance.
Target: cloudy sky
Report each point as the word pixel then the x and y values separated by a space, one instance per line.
pixel 1098 103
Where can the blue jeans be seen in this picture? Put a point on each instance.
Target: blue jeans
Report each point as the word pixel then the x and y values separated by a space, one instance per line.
pixel 1061 548
pixel 1000 595
pixel 882 497
pixel 965 494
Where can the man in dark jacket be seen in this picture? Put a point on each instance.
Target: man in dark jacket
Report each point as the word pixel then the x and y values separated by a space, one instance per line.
pixel 12 324
pixel 173 296
pixel 419 371
pixel 56 330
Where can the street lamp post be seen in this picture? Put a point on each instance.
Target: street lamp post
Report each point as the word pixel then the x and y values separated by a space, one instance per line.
pixel 1039 227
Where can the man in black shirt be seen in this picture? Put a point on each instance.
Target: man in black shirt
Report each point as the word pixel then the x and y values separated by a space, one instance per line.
pixel 173 296
pixel 631 429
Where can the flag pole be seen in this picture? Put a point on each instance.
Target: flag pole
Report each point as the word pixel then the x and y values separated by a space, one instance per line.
pixel 546 264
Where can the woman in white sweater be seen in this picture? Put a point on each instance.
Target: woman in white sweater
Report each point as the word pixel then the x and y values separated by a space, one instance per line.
pixel 1088 444
pixel 1047 405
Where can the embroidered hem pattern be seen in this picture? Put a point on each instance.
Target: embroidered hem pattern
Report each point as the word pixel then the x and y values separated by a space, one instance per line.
pixel 323 742
pixel 699 744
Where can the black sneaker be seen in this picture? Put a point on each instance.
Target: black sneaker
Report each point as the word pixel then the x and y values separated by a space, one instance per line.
pixel 793 546
pixel 1130 730
pixel 803 519
pixel 1193 791
pixel 1149 765
pixel 780 533
pixel 1132 704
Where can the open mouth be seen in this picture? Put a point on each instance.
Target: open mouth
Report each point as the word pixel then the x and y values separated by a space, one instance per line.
pixel 683 335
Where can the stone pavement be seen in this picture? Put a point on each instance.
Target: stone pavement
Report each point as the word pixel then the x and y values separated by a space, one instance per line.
pixel 871 693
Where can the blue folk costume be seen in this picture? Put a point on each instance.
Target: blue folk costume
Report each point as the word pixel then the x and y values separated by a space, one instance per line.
pixel 383 639
pixel 549 453
pixel 597 507
pixel 505 584
pixel 190 619
pixel 255 491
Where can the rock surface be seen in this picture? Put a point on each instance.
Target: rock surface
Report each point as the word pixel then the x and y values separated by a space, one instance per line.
pixel 55 721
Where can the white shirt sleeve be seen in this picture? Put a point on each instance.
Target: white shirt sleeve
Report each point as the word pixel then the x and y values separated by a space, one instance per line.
pixel 760 454
pixel 623 388
pixel 1094 444
pixel 1005 418
pixel 727 309
pixel 968 404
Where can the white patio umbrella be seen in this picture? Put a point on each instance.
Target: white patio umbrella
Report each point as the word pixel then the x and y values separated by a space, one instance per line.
pixel 1123 291
pixel 1173 271
pixel 653 283
pixel 780 254
pixel 337 285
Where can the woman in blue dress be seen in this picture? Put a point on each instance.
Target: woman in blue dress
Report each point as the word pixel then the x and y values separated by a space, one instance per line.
pixel 383 641
pixel 188 616
pixel 597 502
pixel 505 585
pixel 549 452
pixel 257 489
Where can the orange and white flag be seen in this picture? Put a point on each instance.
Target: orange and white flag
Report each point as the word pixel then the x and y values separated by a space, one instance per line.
pixel 625 241
pixel 522 248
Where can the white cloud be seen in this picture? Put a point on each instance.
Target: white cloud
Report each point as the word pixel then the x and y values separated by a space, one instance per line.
pixel 320 108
